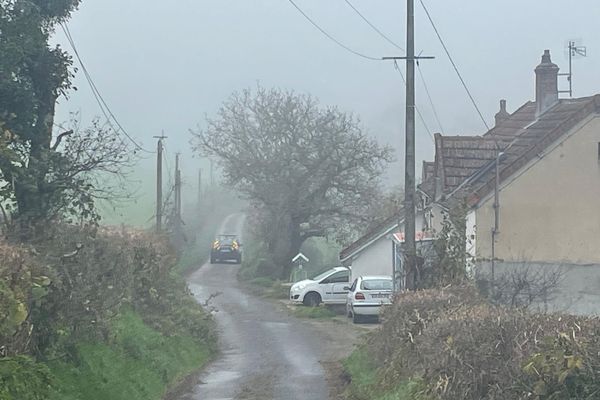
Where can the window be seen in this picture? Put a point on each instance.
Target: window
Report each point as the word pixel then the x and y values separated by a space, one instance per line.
pixel 338 277
pixel 322 275
pixel 376 284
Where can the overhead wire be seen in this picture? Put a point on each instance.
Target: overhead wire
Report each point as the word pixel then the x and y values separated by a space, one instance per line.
pixel 330 37
pixel 98 96
pixel 387 38
pixel 437 117
pixel 383 35
pixel 416 108
pixel 439 36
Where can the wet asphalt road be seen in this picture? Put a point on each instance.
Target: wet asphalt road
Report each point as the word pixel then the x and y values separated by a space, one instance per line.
pixel 266 354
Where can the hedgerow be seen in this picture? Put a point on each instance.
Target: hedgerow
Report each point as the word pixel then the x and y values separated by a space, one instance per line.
pixel 461 347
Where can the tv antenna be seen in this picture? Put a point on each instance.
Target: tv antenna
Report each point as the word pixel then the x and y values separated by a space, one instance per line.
pixel 574 51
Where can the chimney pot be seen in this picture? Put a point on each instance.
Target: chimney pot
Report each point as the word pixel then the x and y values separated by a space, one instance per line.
pixel 502 115
pixel 546 84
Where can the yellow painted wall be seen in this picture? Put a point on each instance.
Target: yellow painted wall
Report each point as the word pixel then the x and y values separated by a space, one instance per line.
pixel 551 212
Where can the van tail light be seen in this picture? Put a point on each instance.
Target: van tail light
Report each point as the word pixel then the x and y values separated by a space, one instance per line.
pixel 359 296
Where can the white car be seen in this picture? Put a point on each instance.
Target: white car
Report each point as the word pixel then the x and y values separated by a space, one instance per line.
pixel 330 287
pixel 367 295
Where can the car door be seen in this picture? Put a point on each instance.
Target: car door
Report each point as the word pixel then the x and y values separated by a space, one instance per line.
pixel 330 286
pixel 339 283
pixel 350 294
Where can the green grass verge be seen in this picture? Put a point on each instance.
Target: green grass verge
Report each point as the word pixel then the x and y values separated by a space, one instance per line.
pixel 321 312
pixel 364 384
pixel 138 364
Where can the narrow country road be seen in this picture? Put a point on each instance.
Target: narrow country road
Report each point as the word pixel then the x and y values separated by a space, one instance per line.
pixel 266 354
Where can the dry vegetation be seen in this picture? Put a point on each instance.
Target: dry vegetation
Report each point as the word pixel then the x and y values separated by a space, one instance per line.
pixel 457 346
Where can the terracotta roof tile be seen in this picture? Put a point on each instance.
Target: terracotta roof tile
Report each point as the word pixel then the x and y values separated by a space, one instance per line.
pixel 534 139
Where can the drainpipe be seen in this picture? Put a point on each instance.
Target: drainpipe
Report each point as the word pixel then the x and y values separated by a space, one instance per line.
pixel 496 228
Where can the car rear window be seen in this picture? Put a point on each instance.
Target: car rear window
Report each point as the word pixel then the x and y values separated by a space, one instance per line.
pixel 376 284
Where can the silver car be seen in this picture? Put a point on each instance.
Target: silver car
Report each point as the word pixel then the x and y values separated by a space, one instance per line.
pixel 367 295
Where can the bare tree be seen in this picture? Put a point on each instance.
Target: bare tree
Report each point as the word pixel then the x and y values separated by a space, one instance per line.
pixel 82 167
pixel 309 168
pixel 526 285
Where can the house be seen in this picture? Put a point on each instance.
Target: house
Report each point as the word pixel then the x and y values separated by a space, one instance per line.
pixel 379 251
pixel 372 253
pixel 532 186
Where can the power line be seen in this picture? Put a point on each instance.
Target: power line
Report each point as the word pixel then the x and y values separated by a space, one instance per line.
pixel 400 71
pixel 437 118
pixel 416 108
pixel 97 95
pixel 454 64
pixel 330 37
pixel 374 27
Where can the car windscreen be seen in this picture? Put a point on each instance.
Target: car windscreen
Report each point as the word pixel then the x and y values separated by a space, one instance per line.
pixel 376 284
pixel 226 240
pixel 323 275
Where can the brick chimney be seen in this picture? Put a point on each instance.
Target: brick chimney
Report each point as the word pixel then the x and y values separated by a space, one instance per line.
pixel 502 115
pixel 546 84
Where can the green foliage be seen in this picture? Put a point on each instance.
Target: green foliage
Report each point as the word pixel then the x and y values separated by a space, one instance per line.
pixel 364 382
pixel 449 264
pixel 45 177
pixel 137 363
pixel 21 378
pixel 563 368
pixel 322 312
pixel 76 287
pixel 256 262
pixel 262 281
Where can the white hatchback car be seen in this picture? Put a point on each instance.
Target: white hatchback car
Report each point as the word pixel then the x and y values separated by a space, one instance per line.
pixel 330 287
pixel 367 295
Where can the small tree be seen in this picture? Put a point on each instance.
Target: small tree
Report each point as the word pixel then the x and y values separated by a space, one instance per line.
pixel 45 176
pixel 447 262
pixel 309 169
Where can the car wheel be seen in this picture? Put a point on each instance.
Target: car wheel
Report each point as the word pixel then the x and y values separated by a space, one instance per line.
pixel 312 299
pixel 357 319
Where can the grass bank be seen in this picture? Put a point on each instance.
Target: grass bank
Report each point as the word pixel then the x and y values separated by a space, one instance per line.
pixel 321 312
pixel 138 363
pixel 362 368
pixel 111 320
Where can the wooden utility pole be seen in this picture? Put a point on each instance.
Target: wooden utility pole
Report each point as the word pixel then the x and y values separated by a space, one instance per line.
pixel 177 191
pixel 159 202
pixel 409 160
pixel 199 187
pixel 409 248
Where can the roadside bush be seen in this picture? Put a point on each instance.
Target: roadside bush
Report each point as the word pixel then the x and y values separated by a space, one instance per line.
pixel 86 301
pixel 21 378
pixel 463 348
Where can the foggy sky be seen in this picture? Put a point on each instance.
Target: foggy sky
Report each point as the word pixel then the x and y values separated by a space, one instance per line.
pixel 167 64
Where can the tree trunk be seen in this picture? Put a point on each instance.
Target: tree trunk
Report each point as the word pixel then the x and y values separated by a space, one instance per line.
pixel 30 183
